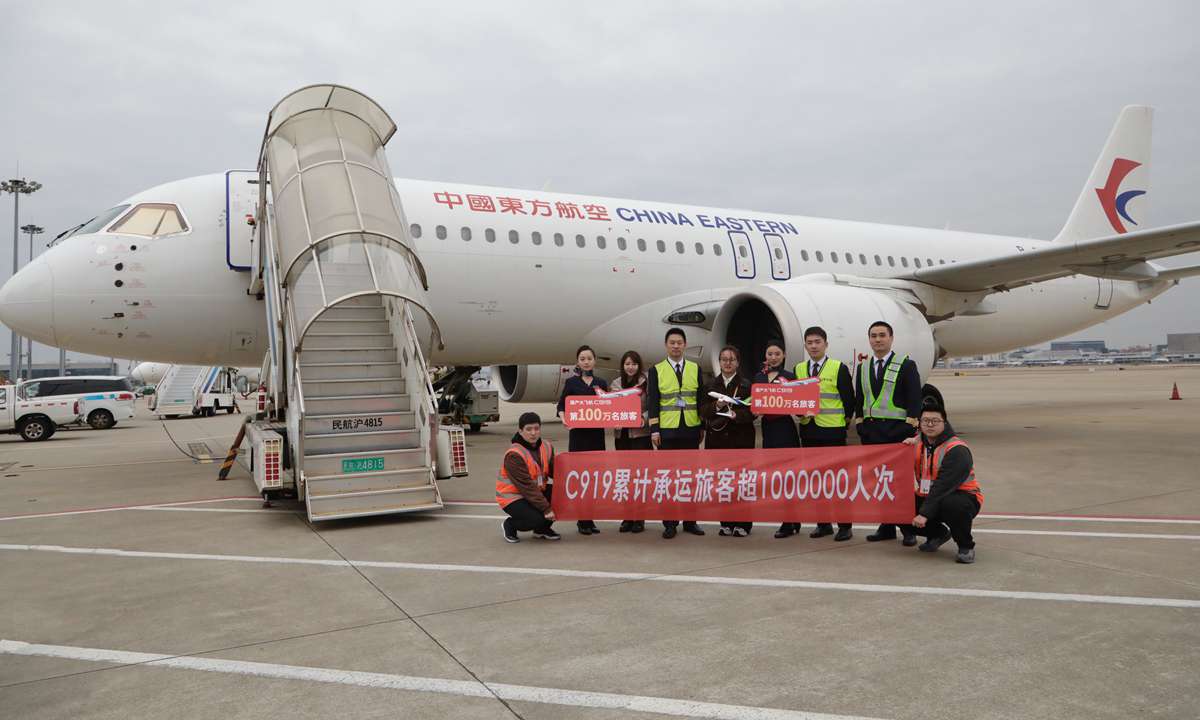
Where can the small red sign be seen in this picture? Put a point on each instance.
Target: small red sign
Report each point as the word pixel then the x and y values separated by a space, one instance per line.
pixel 785 399
pixel 603 411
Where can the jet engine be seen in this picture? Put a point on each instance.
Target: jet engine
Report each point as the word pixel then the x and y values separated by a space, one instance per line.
pixel 750 318
pixel 530 383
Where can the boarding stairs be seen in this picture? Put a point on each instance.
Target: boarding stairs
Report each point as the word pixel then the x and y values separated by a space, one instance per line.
pixel 345 297
pixel 175 394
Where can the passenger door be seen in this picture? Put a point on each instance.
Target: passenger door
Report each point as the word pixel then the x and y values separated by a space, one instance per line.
pixel 781 262
pixel 241 202
pixel 743 255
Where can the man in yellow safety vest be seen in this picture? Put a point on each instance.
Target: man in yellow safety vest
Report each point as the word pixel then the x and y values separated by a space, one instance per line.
pixel 673 395
pixel 828 427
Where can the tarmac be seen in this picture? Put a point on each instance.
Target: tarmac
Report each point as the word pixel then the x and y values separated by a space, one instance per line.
pixel 134 584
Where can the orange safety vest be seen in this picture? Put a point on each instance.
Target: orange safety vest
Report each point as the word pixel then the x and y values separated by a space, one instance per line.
pixel 506 490
pixel 928 465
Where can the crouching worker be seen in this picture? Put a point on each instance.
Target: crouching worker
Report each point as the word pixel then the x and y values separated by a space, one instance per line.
pixel 526 480
pixel 948 496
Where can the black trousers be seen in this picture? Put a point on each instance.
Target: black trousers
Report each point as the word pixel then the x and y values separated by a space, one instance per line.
pixel 634 443
pixel 687 442
pixel 824 437
pixel 956 511
pixel 881 432
pixel 527 517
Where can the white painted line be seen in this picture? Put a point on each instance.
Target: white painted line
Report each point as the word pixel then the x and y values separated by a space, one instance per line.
pixel 116 508
pixel 1094 518
pixel 1069 533
pixel 106 465
pixel 651 577
pixel 998 531
pixel 414 683
pixel 213 510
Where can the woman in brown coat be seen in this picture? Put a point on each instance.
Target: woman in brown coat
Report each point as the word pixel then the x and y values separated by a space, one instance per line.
pixel 722 431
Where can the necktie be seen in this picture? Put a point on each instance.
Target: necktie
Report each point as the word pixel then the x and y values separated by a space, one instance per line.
pixel 814 369
pixel 679 369
pixel 879 370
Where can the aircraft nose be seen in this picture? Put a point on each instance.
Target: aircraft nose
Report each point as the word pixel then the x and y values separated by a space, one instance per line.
pixel 27 302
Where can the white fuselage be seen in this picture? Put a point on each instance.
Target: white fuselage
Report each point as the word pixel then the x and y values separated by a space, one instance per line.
pixel 501 298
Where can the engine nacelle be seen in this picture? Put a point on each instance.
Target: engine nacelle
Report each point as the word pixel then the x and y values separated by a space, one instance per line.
pixel 149 373
pixel 530 383
pixel 748 319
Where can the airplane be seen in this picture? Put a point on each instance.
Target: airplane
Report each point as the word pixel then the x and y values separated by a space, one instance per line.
pixel 519 278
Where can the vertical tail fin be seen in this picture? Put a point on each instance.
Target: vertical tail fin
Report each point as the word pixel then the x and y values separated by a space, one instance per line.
pixel 1121 174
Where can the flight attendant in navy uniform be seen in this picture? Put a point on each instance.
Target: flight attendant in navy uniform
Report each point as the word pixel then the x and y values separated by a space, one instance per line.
pixel 583 382
pixel 778 431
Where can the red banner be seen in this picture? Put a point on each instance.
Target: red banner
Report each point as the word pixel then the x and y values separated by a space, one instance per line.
pixel 779 399
pixel 603 411
pixel 867 483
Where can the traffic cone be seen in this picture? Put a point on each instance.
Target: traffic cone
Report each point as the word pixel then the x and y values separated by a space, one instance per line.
pixel 1175 391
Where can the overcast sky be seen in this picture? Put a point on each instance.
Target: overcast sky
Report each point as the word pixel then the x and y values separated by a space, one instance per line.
pixel 963 115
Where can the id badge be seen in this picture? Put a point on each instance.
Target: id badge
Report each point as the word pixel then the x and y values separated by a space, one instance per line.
pixel 925 483
pixel 680 403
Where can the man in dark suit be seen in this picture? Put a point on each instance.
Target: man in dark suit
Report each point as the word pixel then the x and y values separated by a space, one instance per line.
pixel 675 391
pixel 887 400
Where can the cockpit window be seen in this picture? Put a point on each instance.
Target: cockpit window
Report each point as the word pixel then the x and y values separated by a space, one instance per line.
pixel 151 220
pixel 96 224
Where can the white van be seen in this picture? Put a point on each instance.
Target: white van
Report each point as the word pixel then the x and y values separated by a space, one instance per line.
pixel 104 399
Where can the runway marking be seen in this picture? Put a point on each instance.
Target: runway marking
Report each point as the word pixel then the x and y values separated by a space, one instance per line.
pixel 115 508
pixel 998 531
pixel 650 577
pixel 106 465
pixel 1148 519
pixel 464 688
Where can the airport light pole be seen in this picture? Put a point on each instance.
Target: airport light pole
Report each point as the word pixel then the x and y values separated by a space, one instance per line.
pixel 31 230
pixel 18 187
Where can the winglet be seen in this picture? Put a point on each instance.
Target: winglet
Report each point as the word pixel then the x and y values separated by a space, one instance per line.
pixel 1113 200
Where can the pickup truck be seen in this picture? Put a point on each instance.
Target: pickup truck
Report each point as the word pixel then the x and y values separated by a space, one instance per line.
pixel 35 419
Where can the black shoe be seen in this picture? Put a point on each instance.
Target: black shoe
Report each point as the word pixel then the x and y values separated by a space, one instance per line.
pixel 510 535
pixel 966 557
pixel 843 534
pixel 878 536
pixel 909 540
pixel 626 526
pixel 785 530
pixel 583 529
pixel 668 533
pixel 547 534
pixel 932 544
pixel 638 526
pixel 822 530
pixel 693 528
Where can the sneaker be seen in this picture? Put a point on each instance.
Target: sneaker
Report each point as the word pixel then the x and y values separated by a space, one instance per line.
pixel 510 535
pixel 966 557
pixel 740 532
pixel 547 534
pixel 725 532
pixel 933 543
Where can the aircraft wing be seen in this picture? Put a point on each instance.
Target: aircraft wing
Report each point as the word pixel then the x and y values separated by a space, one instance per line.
pixel 1120 257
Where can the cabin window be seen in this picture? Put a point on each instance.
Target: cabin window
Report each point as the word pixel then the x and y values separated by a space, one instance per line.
pixel 717 249
pixel 929 262
pixel 891 261
pixel 662 246
pixel 558 239
pixel 742 251
pixel 641 245
pixel 778 253
pixel 820 256
pixel 621 244
pixel 804 255
pixel 151 220
pixel 580 241
pixel 862 259
pixel 440 231
pixel 601 242
pixel 535 237
pixel 878 261
pixel 699 248
pixel 849 259
pixel 514 237
pixel 941 261
pixel 678 247
pixel 833 257
pixel 466 234
pixel 917 262
pixel 904 261
pixel 414 230
pixel 490 235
